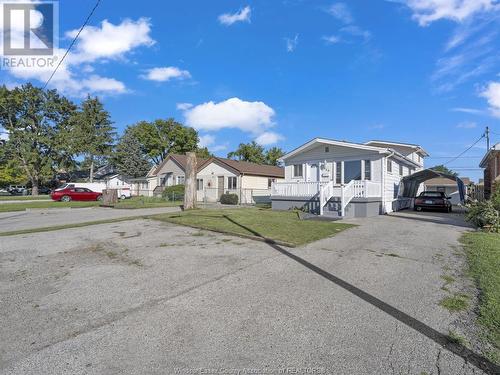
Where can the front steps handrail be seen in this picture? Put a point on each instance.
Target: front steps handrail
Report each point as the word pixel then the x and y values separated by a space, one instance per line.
pixel 326 192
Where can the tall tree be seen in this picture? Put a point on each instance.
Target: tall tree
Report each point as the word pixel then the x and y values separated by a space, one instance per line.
pixel 95 133
pixel 11 172
pixel 444 169
pixel 273 155
pixel 251 152
pixel 128 157
pixel 162 137
pixel 38 123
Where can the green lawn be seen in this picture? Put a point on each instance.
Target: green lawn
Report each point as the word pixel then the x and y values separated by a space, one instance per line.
pixel 22 197
pixel 282 226
pixel 483 256
pixel 146 202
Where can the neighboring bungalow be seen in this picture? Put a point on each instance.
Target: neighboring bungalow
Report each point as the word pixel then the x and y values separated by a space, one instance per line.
pixel 491 165
pixel 215 176
pixel 346 179
pixel 448 186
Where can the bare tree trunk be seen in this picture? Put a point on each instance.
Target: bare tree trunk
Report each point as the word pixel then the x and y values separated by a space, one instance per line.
pixel 91 177
pixel 34 186
pixel 190 182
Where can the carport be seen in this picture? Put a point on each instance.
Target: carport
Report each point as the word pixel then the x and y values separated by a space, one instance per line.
pixel 409 186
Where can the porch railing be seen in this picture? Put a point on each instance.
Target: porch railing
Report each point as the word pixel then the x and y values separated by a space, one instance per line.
pixel 360 189
pixel 295 189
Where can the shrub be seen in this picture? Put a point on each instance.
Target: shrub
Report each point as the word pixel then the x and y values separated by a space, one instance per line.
pixel 173 193
pixel 229 199
pixel 483 214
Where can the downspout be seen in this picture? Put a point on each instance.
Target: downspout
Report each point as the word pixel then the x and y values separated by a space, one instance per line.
pixel 384 167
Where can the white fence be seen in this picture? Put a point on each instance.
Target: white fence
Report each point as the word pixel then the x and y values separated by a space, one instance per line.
pixel 358 189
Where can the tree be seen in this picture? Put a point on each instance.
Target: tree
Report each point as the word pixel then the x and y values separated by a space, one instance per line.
pixel 162 137
pixel 39 127
pixel 273 154
pixel 444 169
pixel 11 172
pixel 251 152
pixel 95 133
pixel 203 153
pixel 128 157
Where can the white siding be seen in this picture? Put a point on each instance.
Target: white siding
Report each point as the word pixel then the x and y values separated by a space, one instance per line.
pixel 256 182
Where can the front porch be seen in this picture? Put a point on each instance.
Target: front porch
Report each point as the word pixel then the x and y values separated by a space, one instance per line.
pixel 356 198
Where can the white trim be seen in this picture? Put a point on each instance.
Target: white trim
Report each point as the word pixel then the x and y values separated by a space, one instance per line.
pixel 333 143
pixel 409 145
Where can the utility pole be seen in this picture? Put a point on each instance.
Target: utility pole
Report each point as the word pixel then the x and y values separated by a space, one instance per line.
pixel 487 135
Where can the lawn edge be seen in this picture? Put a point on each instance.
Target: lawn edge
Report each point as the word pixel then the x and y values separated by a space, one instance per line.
pixel 70 226
pixel 247 236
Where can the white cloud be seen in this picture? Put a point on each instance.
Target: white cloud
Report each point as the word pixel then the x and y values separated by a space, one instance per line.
pixel 206 140
pixel 332 39
pixel 241 16
pixel 167 73
pixel 341 12
pixel 427 11
pixel 471 111
pixel 467 125
pixel 183 106
pixel 76 75
pixel 357 32
pixel 492 95
pixel 253 117
pixel 291 43
pixel 103 85
pixel 268 138
pixel 110 41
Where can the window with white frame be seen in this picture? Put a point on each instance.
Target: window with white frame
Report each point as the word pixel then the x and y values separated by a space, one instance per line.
pixel 389 165
pixel 231 183
pixel 180 180
pixel 298 170
pixel 401 170
pixel 199 184
pixel 352 170
pixel 368 170
pixel 338 172
pixel 270 182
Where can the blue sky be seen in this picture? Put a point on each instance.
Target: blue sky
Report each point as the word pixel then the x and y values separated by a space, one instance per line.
pixel 283 72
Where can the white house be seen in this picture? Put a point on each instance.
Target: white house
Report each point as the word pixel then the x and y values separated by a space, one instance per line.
pixel 345 179
pixel 215 176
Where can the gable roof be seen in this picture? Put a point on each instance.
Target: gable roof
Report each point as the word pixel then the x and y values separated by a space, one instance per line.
pixel 254 169
pixel 242 167
pixel 333 142
pixel 180 160
pixel 401 144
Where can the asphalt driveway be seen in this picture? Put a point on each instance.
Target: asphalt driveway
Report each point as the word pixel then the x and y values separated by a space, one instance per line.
pixel 143 297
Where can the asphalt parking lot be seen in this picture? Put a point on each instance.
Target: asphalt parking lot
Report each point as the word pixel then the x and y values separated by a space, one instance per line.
pixel 144 297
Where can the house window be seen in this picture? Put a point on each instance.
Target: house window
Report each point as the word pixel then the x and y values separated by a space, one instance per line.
pixel 231 183
pixel 180 180
pixel 297 170
pixel 338 172
pixel 270 182
pixel 389 166
pixel 327 149
pixel 199 184
pixel 400 170
pixel 368 170
pixel 352 170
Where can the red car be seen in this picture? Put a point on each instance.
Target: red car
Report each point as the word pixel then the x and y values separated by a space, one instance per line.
pixel 75 194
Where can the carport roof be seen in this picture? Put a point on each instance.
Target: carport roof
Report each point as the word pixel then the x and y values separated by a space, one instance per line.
pixel 413 181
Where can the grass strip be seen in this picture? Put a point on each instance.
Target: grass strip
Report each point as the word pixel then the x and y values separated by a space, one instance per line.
pixel 68 226
pixel 483 258
pixel 256 223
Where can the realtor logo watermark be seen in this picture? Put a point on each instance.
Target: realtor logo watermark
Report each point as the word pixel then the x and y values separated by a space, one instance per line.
pixel 29 34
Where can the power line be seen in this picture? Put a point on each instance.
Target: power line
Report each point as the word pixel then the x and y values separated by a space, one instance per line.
pixel 463 152
pixel 448 157
pixel 72 43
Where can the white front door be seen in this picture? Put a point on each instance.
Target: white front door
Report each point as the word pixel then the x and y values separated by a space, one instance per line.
pixel 313 173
